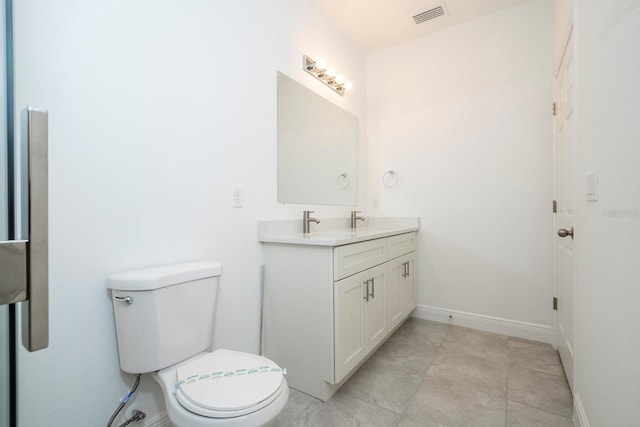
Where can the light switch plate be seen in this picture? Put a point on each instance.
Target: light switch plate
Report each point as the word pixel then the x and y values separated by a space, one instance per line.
pixel 238 197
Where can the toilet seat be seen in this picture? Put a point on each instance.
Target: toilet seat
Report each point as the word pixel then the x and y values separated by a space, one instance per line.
pixel 226 384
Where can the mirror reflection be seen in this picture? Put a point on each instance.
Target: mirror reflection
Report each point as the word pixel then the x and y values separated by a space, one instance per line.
pixel 317 148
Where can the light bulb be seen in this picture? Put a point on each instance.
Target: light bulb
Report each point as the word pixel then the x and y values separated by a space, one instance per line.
pixel 340 80
pixel 320 64
pixel 331 72
pixel 348 85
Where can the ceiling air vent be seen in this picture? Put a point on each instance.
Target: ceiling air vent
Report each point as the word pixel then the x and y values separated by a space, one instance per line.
pixel 428 14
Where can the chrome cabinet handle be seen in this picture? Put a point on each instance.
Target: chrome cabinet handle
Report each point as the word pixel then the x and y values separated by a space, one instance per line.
pixel 408 269
pixel 373 288
pixel 366 294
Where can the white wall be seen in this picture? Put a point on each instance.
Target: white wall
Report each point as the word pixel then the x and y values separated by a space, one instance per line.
pixel 608 231
pixel 156 110
pixel 463 116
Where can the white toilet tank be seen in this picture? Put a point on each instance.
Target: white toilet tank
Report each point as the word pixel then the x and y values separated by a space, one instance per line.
pixel 164 315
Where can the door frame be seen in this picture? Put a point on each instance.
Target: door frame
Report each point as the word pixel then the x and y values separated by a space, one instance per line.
pixel 9 321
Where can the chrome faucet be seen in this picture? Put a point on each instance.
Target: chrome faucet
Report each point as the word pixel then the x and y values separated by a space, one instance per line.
pixel 354 218
pixel 306 219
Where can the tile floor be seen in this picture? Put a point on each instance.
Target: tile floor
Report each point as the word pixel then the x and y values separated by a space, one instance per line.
pixel 432 374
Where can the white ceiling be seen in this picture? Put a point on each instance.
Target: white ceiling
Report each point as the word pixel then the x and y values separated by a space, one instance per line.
pixel 375 24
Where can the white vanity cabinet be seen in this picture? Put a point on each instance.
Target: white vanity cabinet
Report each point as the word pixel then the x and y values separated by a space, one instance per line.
pixel 327 308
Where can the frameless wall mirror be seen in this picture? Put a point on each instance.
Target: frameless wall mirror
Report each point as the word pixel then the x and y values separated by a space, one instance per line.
pixel 317 148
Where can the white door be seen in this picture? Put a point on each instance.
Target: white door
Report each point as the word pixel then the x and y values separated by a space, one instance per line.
pixel 563 218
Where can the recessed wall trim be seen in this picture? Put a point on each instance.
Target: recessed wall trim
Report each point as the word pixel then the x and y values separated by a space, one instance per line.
pixel 327 75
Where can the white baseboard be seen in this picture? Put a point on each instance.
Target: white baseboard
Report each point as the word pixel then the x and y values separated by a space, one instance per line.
pixel 496 325
pixel 579 416
pixel 158 420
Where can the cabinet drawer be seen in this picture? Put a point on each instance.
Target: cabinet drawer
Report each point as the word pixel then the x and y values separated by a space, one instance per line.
pixel 401 244
pixel 351 259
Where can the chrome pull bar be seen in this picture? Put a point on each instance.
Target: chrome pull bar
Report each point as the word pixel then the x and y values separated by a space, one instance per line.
pixel 35 313
pixel 366 292
pixel 373 287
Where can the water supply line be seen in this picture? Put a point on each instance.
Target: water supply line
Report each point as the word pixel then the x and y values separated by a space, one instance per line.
pixel 136 415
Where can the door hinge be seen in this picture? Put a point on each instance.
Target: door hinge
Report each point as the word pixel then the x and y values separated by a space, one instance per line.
pixel 555 206
pixel 555 303
pixel 555 108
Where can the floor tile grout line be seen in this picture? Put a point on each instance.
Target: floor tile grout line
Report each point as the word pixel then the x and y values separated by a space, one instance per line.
pixel 541 409
pixel 438 348
pixel 292 422
pixel 543 372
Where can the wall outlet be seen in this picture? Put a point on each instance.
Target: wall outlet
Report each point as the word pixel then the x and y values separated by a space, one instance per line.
pixel 238 197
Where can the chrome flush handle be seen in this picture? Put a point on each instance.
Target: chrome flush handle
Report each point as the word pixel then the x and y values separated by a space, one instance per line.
pixel 127 300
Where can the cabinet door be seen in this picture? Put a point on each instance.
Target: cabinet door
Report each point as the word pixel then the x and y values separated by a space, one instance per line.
pixel 408 284
pixel 360 322
pixel 397 270
pixel 376 319
pixel 349 306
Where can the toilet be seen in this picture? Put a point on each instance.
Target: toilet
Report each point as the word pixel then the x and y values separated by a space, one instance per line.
pixel 164 320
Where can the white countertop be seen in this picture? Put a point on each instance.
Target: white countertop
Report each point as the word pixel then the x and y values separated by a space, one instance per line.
pixel 334 231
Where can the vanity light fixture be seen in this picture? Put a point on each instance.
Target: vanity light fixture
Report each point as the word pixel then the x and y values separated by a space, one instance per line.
pixel 326 75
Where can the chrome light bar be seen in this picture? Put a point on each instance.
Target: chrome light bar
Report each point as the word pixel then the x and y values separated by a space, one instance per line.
pixel 326 75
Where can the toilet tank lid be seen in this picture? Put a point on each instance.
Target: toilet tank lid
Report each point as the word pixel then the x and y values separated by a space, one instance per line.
pixel 167 275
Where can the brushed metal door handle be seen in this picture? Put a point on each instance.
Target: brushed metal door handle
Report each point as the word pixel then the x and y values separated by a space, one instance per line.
pixel 564 232
pixel 373 288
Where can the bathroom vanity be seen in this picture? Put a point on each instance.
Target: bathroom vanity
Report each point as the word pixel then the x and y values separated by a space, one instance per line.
pixel 332 297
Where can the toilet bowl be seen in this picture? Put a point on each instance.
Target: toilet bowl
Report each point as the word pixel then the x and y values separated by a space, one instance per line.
pixel 254 397
pixel 164 320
